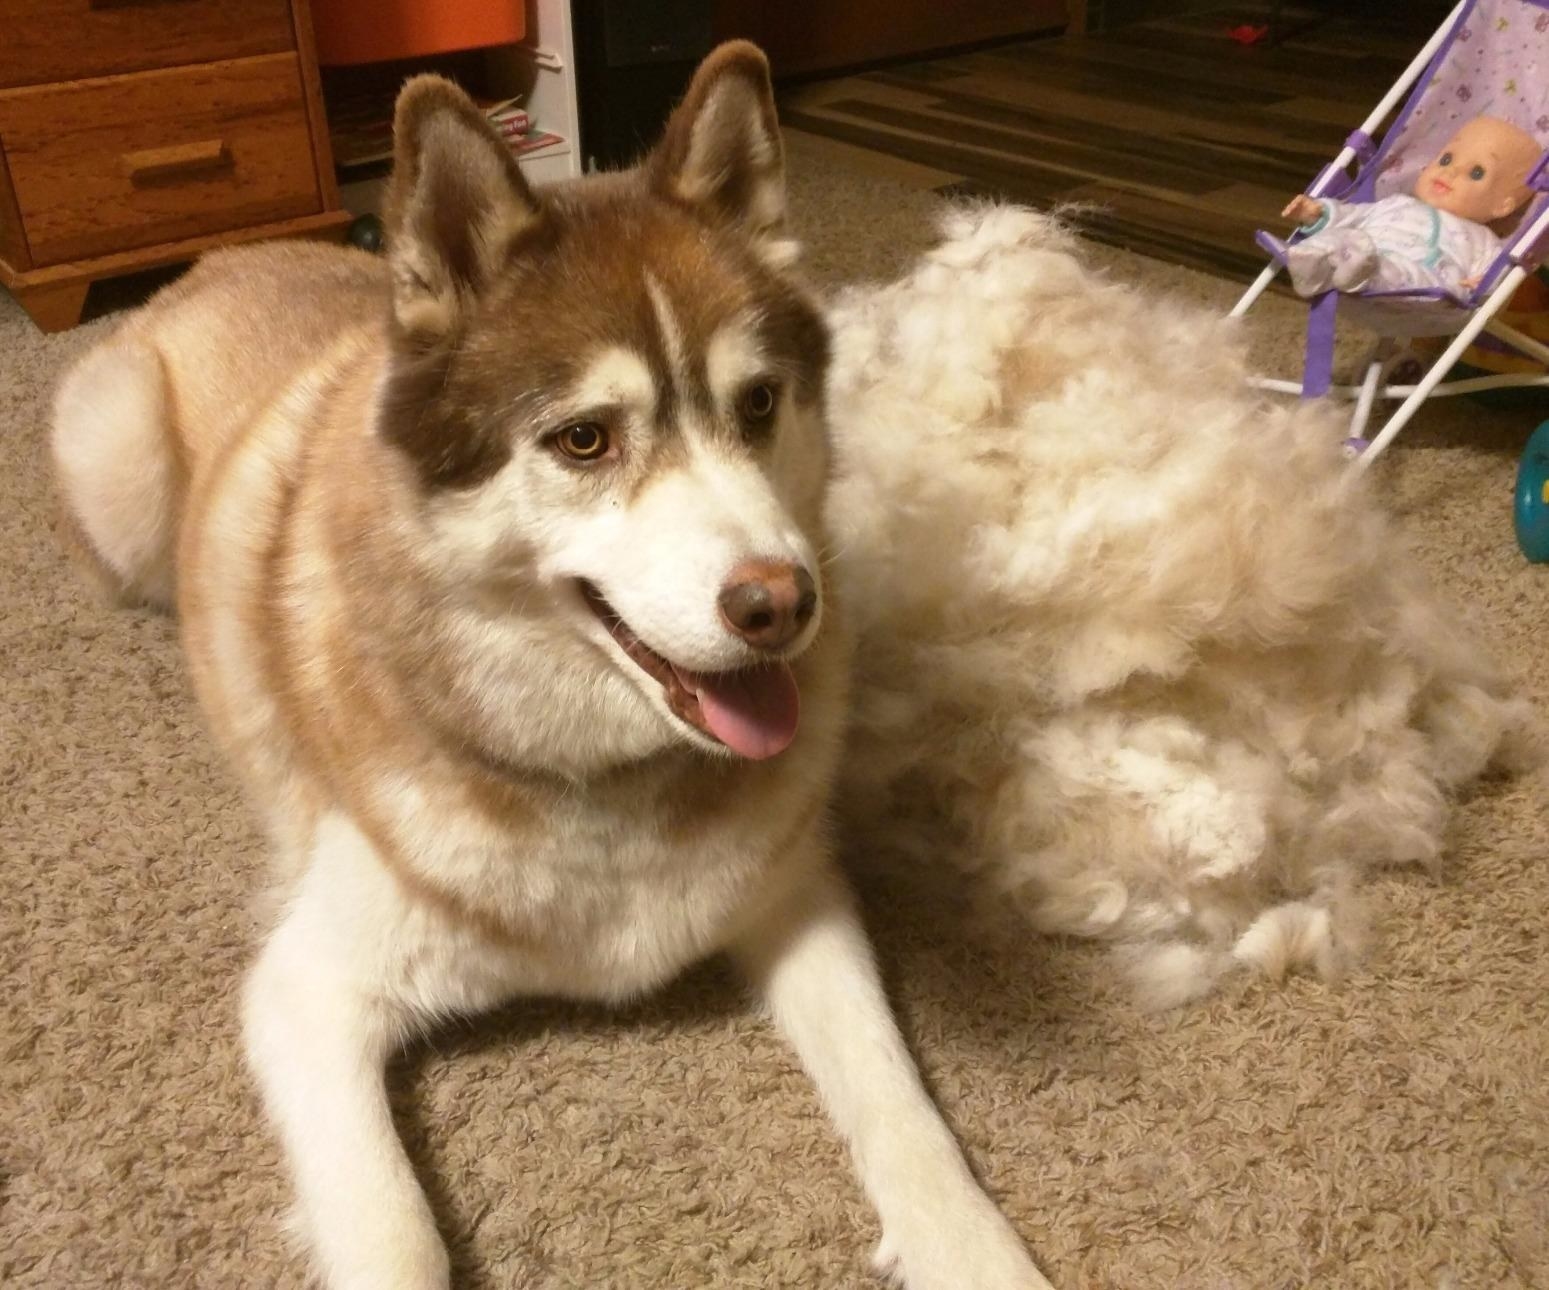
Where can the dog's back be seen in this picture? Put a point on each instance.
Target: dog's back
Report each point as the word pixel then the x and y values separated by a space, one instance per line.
pixel 138 415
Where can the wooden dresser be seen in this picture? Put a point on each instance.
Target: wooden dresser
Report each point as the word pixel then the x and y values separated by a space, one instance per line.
pixel 137 133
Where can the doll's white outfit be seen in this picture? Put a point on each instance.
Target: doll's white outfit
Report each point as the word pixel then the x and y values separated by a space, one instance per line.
pixel 1398 243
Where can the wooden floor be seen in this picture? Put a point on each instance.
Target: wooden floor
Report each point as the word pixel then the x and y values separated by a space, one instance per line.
pixel 1183 140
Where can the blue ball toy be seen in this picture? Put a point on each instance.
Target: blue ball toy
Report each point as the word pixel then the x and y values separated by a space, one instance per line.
pixel 1532 508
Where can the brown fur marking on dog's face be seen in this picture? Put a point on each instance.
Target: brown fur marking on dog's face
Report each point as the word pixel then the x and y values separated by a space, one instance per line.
pixel 583 287
pixel 445 437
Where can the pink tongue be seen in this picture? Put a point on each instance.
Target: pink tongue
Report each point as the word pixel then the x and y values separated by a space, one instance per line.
pixel 753 712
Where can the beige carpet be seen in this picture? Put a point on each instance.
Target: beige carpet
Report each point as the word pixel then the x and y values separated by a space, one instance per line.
pixel 1391 1131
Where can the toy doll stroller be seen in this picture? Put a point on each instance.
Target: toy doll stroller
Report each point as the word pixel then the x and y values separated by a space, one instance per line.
pixel 1488 57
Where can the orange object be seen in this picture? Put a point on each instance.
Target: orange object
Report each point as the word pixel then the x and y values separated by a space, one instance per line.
pixel 376 31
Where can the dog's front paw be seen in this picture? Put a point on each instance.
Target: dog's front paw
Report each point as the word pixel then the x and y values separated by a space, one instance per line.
pixel 986 1260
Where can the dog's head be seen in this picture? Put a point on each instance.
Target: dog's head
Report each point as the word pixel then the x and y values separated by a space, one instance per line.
pixel 611 398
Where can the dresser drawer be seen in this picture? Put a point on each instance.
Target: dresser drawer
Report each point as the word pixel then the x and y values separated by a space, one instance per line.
pixel 67 40
pixel 127 161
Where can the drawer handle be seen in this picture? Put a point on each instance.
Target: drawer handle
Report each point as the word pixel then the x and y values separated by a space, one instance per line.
pixel 160 165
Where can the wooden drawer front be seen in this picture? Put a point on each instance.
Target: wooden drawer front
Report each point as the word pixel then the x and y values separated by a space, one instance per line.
pixel 42 41
pixel 127 161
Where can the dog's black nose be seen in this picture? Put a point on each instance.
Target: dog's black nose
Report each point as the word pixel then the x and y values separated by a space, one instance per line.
pixel 768 603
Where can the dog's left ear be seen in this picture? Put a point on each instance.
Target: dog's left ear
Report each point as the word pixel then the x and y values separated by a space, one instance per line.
pixel 721 152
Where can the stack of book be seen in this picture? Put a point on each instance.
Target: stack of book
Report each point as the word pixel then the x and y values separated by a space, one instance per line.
pixel 516 127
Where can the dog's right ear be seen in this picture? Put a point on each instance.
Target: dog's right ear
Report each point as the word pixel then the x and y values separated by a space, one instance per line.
pixel 457 207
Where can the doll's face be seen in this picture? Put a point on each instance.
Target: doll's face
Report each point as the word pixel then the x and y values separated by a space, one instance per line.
pixel 1481 174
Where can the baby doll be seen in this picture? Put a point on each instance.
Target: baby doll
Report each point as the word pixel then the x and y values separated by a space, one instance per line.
pixel 1439 237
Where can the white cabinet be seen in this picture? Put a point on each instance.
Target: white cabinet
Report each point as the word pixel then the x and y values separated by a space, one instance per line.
pixel 542 70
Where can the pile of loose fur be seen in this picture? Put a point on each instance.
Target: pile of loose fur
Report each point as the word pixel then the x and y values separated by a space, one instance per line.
pixel 1140 637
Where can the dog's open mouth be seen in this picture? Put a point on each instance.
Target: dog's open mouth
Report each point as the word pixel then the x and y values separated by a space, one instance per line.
pixel 752 710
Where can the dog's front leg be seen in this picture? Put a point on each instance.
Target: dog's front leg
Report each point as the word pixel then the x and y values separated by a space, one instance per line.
pixel 318 1038
pixel 940 1231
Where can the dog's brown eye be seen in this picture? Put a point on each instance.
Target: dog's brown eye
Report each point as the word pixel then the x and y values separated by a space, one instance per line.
pixel 585 441
pixel 758 401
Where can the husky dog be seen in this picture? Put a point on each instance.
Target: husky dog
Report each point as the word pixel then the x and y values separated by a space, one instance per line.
pixel 500 572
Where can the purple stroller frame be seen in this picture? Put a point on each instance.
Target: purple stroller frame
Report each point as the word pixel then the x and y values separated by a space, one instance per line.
pixel 1404 314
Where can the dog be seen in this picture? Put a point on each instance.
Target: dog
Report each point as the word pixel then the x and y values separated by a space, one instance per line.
pixel 500 568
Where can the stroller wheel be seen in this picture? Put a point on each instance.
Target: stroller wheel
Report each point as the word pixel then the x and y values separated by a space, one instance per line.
pixel 1532 507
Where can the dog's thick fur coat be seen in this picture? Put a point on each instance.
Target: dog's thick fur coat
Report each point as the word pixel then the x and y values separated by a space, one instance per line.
pixel 499 569
pixel 1140 635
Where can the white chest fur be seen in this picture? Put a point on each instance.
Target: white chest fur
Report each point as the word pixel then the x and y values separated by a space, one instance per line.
pixel 599 901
